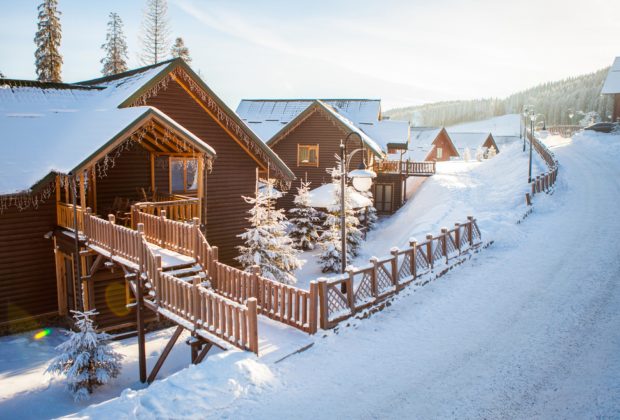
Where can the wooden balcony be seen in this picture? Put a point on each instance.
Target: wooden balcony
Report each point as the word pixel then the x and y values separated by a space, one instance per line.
pixel 175 207
pixel 407 168
pixel 65 217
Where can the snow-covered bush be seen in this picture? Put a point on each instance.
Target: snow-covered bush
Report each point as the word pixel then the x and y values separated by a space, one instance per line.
pixel 330 239
pixel 492 152
pixel 86 359
pixel 266 243
pixel 589 118
pixel 467 154
pixel 304 220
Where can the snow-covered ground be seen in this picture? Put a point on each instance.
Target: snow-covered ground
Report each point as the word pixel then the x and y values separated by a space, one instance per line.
pixel 504 125
pixel 527 328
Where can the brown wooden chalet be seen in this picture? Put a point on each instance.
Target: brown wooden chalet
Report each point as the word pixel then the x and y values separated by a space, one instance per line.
pixel 307 134
pixel 140 147
pixel 473 142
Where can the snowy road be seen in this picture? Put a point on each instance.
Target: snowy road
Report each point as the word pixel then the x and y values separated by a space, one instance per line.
pixel 527 328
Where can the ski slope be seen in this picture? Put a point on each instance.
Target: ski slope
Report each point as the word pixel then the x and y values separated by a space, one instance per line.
pixel 527 328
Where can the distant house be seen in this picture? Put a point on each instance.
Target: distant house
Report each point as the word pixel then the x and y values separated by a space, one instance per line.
pixel 473 142
pixel 140 141
pixel 612 87
pixel 306 134
pixel 430 144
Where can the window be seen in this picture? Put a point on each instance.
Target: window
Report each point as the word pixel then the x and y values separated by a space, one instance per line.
pixel 307 155
pixel 383 197
pixel 439 153
pixel 183 173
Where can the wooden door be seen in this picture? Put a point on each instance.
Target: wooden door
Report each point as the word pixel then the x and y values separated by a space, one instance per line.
pixel 384 194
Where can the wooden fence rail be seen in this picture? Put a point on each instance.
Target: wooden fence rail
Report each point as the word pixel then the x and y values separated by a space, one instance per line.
pixel 546 180
pixel 345 295
pixel 288 304
pixel 64 216
pixel 118 241
pixel 405 167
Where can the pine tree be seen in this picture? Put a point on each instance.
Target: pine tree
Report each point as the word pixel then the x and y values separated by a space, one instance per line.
pixel 115 47
pixel 492 152
pixel 155 32
pixel 48 60
pixel 86 359
pixel 179 50
pixel 304 219
pixel 467 155
pixel 266 243
pixel 330 258
pixel 479 154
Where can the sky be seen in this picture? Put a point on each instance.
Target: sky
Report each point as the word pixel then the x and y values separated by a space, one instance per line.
pixel 403 52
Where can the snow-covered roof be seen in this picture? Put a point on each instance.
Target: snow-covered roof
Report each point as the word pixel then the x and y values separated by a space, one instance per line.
pixel 472 141
pixel 55 127
pixel 420 144
pixel 612 82
pixel 324 197
pixel 268 117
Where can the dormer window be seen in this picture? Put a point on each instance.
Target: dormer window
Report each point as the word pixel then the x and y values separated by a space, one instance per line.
pixel 308 155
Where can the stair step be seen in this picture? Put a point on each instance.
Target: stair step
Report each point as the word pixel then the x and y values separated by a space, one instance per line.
pixel 186 272
pixel 179 267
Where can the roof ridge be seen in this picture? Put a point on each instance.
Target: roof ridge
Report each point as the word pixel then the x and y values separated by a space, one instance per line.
pixel 46 85
pixel 127 73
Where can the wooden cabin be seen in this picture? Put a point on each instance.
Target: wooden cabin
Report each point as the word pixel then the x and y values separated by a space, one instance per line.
pixel 431 144
pixel 473 141
pixel 111 145
pixel 612 87
pixel 307 134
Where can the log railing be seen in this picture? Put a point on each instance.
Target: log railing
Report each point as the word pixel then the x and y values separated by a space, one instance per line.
pixel 198 308
pixel 64 216
pixel 176 208
pixel 405 167
pixel 288 304
pixel 345 295
pixel 209 312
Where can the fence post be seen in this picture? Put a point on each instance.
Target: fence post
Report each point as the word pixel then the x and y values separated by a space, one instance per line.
pixel 395 277
pixel 528 199
pixel 444 242
pixel 457 236
pixel 253 325
pixel 314 286
pixel 212 264
pixel 323 309
pixel 414 266
pixel 157 279
pixel 255 270
pixel 470 230
pixel 373 277
pixel 533 188
pixel 429 249
pixel 196 241
pixel 350 294
pixel 162 228
pixel 140 240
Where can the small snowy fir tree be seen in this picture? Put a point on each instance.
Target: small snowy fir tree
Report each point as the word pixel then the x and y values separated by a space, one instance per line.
pixel 48 60
pixel 115 47
pixel 304 219
pixel 492 152
pixel 330 239
pixel 179 50
pixel 479 154
pixel 2 76
pixel 86 360
pixel 266 242
pixel 467 155
pixel 155 32
pixel 368 215
pixel 589 118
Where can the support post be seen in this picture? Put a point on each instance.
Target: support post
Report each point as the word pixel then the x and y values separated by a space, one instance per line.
pixel 429 249
pixel 323 303
pixel 254 288
pixel 374 290
pixel 414 249
pixel 164 354
pixel 457 236
pixel 444 242
pixel 470 230
pixel 253 324
pixel 312 324
pixel 394 263
pixel 140 326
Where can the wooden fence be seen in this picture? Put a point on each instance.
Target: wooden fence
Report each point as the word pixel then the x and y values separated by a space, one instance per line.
pixel 118 241
pixel 564 130
pixel 178 208
pixel 209 312
pixel 546 180
pixel 288 304
pixel 343 296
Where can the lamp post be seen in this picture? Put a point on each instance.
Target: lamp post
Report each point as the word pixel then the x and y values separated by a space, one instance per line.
pixel 532 119
pixel 525 114
pixel 571 114
pixel 361 180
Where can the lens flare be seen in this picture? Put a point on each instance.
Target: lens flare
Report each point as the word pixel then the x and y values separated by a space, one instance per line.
pixel 43 333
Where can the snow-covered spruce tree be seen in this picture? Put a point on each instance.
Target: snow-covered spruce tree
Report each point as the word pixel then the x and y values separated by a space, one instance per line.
pixel 304 219
pixel 86 359
pixel 115 47
pixel 492 152
pixel 155 32
pixel 266 243
pixel 332 232
pixel 48 60
pixel 467 155
pixel 479 154
pixel 179 50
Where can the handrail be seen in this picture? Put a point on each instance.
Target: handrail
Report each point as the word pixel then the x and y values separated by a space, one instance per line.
pixel 546 180
pixel 180 208
pixel 405 167
pixel 64 216
pixel 345 295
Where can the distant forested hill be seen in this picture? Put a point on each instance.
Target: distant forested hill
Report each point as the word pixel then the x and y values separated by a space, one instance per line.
pixel 553 99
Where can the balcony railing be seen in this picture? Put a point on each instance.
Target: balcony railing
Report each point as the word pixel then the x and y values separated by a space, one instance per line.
pixel 176 207
pixel 65 216
pixel 405 167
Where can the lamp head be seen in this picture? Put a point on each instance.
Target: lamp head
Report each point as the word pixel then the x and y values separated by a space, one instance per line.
pixel 362 179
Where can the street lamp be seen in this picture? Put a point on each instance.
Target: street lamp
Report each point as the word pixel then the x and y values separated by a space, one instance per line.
pixel 532 119
pixel 361 178
pixel 571 114
pixel 525 114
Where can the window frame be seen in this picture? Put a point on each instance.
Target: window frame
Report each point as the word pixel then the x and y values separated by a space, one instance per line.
pixel 310 147
pixel 439 152
pixel 185 160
